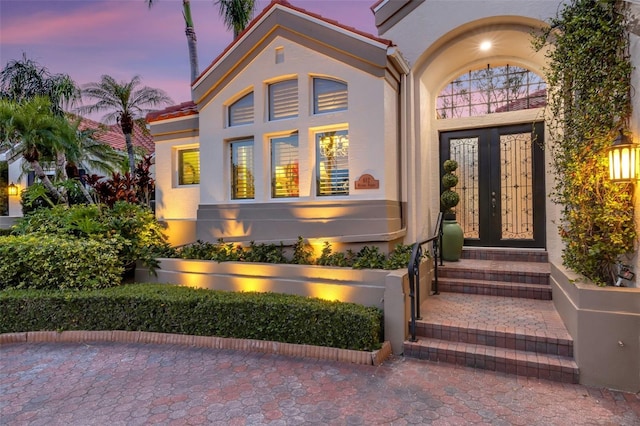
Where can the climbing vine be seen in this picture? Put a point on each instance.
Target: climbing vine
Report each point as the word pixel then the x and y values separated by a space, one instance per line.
pixel 589 74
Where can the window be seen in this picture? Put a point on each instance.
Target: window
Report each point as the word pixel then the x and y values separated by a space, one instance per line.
pixel 283 99
pixel 490 90
pixel 241 111
pixel 189 166
pixel 284 166
pixel 329 95
pixel 332 163
pixel 242 178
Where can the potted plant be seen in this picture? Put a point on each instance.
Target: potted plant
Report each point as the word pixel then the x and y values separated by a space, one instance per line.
pixel 452 235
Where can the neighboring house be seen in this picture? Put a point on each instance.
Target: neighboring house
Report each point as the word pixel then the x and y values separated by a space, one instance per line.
pixel 109 134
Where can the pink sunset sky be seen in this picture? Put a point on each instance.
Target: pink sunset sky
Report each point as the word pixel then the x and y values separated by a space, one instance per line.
pixel 123 38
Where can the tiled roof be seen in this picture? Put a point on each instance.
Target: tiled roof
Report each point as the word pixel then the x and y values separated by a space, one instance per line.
pixel 535 99
pixel 112 135
pixel 181 110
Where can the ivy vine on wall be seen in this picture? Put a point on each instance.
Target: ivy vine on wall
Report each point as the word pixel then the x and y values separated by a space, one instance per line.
pixel 588 73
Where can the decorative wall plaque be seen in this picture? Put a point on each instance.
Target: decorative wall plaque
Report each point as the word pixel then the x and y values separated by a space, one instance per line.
pixel 366 181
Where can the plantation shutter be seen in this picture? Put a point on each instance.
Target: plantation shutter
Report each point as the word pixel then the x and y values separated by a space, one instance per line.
pixel 332 163
pixel 189 166
pixel 329 95
pixel 283 99
pixel 242 177
pixel 284 167
pixel 241 111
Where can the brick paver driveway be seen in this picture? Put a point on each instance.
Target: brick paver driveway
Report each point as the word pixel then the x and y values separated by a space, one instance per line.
pixel 131 384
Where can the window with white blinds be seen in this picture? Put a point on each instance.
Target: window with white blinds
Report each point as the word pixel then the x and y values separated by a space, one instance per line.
pixel 329 95
pixel 242 177
pixel 332 163
pixel 241 111
pixel 189 166
pixel 283 99
pixel 284 167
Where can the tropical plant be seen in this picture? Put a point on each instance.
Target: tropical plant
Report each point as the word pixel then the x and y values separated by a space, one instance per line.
pixel 236 14
pixel 190 32
pixel 31 130
pixel 25 79
pixel 125 103
pixel 137 188
pixel 589 70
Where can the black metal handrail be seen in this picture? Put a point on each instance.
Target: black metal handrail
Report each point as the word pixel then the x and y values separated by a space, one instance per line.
pixel 414 272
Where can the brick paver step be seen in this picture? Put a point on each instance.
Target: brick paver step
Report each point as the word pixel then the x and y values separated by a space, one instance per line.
pixel 523 339
pixel 506 254
pixel 495 288
pixel 492 270
pixel 510 361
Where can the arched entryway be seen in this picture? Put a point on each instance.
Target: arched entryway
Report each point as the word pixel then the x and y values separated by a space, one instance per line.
pixel 485 109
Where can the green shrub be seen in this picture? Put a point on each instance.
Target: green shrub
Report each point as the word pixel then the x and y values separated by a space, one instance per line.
pixel 182 310
pixel 265 253
pixel 135 227
pixel 221 251
pixel 329 258
pixel 48 262
pixel 369 257
pixel 302 252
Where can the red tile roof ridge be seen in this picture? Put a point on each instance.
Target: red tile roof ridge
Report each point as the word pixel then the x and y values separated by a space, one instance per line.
pixel 174 111
pixel 285 3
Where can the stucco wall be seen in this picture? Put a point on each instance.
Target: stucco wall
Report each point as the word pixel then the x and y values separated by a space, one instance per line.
pixel 174 201
pixel 420 30
pixel 605 325
pixel 369 101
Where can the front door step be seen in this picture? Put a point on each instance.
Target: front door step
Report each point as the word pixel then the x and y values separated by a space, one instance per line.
pixel 494 312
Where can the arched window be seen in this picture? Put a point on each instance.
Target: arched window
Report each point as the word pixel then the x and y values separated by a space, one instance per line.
pixel 241 111
pixel 491 90
pixel 329 95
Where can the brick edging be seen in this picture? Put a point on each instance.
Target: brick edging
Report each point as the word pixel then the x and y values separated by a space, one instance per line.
pixel 249 345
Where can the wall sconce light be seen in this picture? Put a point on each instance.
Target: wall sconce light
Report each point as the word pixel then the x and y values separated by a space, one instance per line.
pixel 624 158
pixel 12 189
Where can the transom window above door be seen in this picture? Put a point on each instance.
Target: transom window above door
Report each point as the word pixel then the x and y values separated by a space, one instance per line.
pixel 491 90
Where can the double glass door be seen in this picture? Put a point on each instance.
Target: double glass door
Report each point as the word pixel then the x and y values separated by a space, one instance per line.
pixel 501 184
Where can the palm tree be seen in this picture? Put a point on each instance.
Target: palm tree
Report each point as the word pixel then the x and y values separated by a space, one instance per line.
pixel 125 103
pixel 236 14
pixel 25 79
pixel 191 36
pixel 31 130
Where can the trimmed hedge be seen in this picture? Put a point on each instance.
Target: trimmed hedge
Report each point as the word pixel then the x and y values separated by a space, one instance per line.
pixel 51 262
pixel 182 310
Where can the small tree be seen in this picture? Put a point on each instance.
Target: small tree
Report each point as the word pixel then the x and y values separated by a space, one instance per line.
pixel 449 198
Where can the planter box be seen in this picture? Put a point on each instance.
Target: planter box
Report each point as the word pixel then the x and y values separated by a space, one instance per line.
pixel 387 290
pixel 605 325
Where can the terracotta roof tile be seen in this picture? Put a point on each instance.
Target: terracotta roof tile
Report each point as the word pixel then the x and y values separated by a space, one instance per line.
pixel 112 135
pixel 181 110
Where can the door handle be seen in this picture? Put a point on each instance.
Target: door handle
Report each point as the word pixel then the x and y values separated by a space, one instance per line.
pixel 493 203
